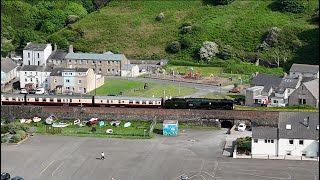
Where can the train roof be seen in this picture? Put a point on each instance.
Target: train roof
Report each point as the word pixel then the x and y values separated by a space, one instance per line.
pixel 47 96
pixel 127 98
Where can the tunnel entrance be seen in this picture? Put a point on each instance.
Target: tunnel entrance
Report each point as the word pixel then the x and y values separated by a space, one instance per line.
pixel 226 123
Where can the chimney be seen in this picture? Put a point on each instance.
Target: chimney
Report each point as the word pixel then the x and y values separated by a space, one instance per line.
pixel 70 49
pixel 55 47
pixel 104 51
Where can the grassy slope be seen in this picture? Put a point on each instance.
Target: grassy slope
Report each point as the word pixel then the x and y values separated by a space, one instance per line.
pixel 115 86
pixel 129 26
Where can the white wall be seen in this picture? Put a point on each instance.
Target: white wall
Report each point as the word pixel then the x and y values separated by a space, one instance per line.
pixel 310 146
pixel 262 148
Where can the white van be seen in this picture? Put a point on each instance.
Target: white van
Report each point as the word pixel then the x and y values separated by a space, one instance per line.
pixel 40 91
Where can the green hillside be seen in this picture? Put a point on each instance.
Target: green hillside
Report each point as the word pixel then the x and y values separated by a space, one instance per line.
pixel 130 27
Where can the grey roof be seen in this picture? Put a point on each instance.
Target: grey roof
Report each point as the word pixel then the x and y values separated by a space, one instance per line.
pixel 298 129
pixel 264 132
pixel 58 54
pixel 304 68
pixel 35 47
pixel 127 66
pixel 128 98
pixel 288 82
pixel 36 68
pixel 306 79
pixel 7 65
pixel 313 87
pixel 170 122
pixel 266 80
pixel 58 71
pixel 91 56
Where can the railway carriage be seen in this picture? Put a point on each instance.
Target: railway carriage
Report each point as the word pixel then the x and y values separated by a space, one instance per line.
pixel 122 101
pixel 13 99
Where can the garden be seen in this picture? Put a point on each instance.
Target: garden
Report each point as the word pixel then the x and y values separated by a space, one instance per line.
pixel 244 145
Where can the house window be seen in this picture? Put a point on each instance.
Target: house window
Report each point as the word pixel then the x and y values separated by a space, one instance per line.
pixel 99 70
pixel 275 101
pixel 300 142
pixel 108 70
pixel 67 80
pixel 38 55
pixel 55 80
pixel 288 126
pixel 38 63
pixel 291 141
pixel 265 141
pixel 29 62
pixel 79 82
pixel 26 80
pixel 37 80
pixel 288 153
pixel 31 79
pixel 318 127
pixel 25 73
pixel 272 141
pixel 301 87
pixel 28 55
pixel 302 101
pixel 288 90
pixel 303 153
pixel 255 140
pixel 69 61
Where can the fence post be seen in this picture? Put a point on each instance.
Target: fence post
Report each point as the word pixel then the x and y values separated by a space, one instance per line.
pixel 268 156
pixel 301 157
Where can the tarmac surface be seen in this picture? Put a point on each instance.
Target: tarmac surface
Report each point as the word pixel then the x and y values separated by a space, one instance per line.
pixel 194 153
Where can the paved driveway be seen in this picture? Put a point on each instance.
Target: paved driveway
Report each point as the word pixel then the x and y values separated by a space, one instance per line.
pixel 196 153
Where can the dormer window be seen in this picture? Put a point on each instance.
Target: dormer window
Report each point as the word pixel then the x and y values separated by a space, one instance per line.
pixel 288 126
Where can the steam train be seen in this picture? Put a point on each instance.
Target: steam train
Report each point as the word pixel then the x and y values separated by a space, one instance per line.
pixel 116 101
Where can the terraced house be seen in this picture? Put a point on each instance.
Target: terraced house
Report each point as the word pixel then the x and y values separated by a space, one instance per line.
pixel 74 80
pixel 105 64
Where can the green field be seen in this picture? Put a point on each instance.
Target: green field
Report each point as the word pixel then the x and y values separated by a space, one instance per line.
pixel 117 86
pixel 169 90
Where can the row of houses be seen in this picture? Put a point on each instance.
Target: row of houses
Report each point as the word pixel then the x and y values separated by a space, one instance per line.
pixel 297 134
pixel 49 67
pixel 301 86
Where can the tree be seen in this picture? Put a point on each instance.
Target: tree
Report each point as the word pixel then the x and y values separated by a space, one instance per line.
pixel 208 50
pixel 222 2
pixel 294 6
pixel 272 36
pixel 174 47
pixel 24 36
pixel 73 8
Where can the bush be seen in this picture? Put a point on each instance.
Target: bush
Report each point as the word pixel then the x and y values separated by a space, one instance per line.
pixel 13 128
pixel 72 19
pixel 160 17
pixel 294 6
pixel 32 130
pixel 174 47
pixel 16 138
pixel 222 2
pixel 226 53
pixel 22 133
pixel 208 51
pixel 186 29
pixel 272 36
pixel 4 128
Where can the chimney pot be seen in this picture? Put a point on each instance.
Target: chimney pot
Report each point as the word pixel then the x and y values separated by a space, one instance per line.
pixel 70 49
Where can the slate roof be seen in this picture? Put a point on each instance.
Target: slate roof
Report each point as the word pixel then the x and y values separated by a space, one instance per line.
pixel 36 68
pixel 298 129
pixel 267 81
pixel 313 87
pixel 304 68
pixel 288 82
pixel 127 66
pixel 91 56
pixel 264 132
pixel 35 47
pixel 58 71
pixel 7 65
pixel 58 54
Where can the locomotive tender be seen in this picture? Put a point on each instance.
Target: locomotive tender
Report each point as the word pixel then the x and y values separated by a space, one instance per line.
pixel 116 101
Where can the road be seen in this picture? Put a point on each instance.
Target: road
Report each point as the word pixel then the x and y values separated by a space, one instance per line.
pixel 195 153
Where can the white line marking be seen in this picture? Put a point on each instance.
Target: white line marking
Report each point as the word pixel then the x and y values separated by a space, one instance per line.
pixel 57 169
pixel 46 167
pixel 315 177
pixel 270 177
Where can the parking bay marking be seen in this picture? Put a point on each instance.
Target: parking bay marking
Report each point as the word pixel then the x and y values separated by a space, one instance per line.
pixel 56 169
pixel 46 167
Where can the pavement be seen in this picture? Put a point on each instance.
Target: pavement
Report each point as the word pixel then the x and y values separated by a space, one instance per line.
pixel 194 153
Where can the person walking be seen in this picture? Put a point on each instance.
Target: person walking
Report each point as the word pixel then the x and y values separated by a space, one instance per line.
pixel 102 156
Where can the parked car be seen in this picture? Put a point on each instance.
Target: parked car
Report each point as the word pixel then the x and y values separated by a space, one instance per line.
pixel 17 178
pixel 242 127
pixel 5 176
pixel 17 58
pixel 23 91
pixel 235 90
pixel 40 91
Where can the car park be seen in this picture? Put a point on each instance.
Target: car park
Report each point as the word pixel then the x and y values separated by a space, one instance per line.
pixel 17 178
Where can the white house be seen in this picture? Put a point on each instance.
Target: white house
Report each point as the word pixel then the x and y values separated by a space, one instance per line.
pixel 305 70
pixel 36 54
pixel 36 76
pixel 297 135
pixel 130 70
pixel 264 141
pixel 8 70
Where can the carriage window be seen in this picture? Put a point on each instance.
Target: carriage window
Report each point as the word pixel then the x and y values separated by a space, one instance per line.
pixel 58 100
pixel 36 100
pixel 122 102
pixel 143 102
pixel 107 101
pixel 130 102
pixel 13 99
pixel 44 99
pixel 150 102
pixel 101 100
pixel 79 100
pixel 7 99
pixel 137 102
pixel 70 100
pixel 159 102
pixel 51 99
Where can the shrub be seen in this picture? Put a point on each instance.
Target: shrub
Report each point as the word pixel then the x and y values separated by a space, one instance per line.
pixel 186 29
pixel 226 53
pixel 208 51
pixel 32 130
pixel 272 36
pixel 174 47
pixel 13 128
pixel 3 140
pixel 72 19
pixel 16 138
pixel 4 128
pixel 294 6
pixel 22 133
pixel 222 2
pixel 160 17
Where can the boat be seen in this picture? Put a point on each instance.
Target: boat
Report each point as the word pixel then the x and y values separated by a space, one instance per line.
pixel 60 125
pixel 50 119
pixel 36 119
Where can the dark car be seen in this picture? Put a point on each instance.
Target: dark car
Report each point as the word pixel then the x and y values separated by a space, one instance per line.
pixel 5 176
pixel 17 178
